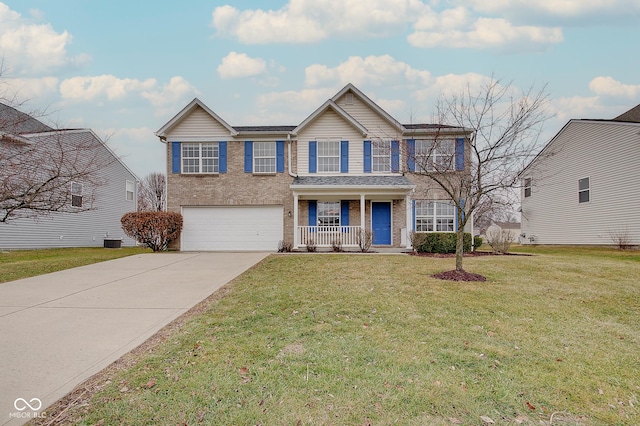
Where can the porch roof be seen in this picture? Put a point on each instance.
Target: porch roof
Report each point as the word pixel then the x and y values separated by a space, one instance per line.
pixel 394 186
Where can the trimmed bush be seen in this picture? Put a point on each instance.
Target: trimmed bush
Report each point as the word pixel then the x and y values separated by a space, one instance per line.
pixel 152 229
pixel 442 242
pixel 477 242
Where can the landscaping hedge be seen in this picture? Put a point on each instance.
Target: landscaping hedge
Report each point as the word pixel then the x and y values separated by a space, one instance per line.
pixel 445 242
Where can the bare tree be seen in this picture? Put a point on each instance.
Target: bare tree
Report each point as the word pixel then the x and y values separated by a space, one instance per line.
pixel 152 193
pixel 44 170
pixel 503 128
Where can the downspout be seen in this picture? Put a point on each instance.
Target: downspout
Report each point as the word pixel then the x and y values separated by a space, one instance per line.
pixel 163 139
pixel 290 162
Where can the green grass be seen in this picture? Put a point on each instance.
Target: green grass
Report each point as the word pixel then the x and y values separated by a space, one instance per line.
pixel 28 263
pixel 352 339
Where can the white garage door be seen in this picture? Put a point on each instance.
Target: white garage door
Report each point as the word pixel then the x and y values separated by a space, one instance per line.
pixel 231 228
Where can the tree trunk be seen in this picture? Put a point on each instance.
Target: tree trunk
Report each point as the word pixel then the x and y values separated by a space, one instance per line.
pixel 459 248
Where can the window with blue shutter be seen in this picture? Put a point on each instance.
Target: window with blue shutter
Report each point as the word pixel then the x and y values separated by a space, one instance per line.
pixel 395 156
pixel 175 157
pixel 280 156
pixel 222 155
pixel 460 154
pixel 344 156
pixel 367 156
pixel 411 155
pixel 344 213
pixel 312 157
pixel 248 156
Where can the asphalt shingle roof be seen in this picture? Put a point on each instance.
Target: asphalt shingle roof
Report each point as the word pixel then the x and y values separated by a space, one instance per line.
pixel 16 122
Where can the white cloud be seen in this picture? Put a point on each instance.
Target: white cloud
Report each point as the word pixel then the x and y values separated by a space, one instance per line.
pixel 29 88
pixel 177 90
pixel 598 11
pixel 374 70
pixel 305 21
pixel 30 48
pixel 109 86
pixel 238 65
pixel 444 30
pixel 608 86
pixel 138 147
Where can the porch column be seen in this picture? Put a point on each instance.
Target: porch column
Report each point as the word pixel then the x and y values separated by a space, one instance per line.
pixel 362 215
pixel 295 220
pixel 409 211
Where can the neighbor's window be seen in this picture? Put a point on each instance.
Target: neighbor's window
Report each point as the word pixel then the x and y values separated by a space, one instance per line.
pixel 527 187
pixel 328 213
pixel 381 156
pixel 584 186
pixel 328 156
pixel 202 157
pixel 130 190
pixel 432 155
pixel 435 216
pixel 264 157
pixel 76 194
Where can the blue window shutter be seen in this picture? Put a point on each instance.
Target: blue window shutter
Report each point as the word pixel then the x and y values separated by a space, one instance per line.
pixel 313 213
pixel 395 156
pixel 280 156
pixel 460 154
pixel 175 157
pixel 367 156
pixel 313 166
pixel 413 215
pixel 344 156
pixel 222 157
pixel 344 213
pixel 411 155
pixel 462 205
pixel 248 156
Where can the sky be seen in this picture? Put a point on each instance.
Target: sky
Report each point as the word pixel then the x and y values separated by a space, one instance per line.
pixel 125 68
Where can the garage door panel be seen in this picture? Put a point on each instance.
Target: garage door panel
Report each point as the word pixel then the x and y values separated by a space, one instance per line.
pixel 232 228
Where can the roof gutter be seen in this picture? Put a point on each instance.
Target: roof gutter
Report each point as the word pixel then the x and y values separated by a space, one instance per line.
pixel 290 162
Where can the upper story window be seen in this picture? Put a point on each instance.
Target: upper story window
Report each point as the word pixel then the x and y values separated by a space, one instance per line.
pixel 200 157
pixel 381 156
pixel 432 155
pixel 328 213
pixel 76 194
pixel 584 189
pixel 130 190
pixel 435 216
pixel 264 157
pixel 527 187
pixel 328 156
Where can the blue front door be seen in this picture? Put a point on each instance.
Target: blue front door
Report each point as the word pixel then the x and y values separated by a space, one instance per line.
pixel 381 223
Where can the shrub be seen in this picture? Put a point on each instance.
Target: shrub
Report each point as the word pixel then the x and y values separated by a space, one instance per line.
pixel 441 242
pixel 621 238
pixel 500 239
pixel 285 246
pixel 477 242
pixel 152 229
pixel 311 246
pixel 365 239
pixel 336 245
pixel 417 239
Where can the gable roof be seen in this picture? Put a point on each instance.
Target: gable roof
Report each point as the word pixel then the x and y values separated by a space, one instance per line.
pixel 364 98
pixel 330 104
pixel 17 122
pixel 195 103
pixel 633 115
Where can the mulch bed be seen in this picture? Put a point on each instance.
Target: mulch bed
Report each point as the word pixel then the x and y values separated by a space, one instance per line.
pixel 463 275
pixel 459 276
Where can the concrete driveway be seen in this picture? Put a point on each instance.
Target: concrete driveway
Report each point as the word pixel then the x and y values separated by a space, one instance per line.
pixel 59 329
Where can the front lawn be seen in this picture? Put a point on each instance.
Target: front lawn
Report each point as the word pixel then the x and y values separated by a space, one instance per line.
pixel 28 263
pixel 373 339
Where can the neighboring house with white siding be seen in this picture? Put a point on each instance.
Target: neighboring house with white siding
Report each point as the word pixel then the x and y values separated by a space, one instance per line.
pixel 584 186
pixel 116 195
pixel 345 168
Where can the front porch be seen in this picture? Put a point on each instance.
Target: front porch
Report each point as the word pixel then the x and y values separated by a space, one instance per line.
pixel 341 210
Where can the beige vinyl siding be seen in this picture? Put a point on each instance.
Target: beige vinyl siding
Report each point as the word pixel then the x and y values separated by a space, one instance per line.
pixel 608 153
pixel 330 125
pixel 370 119
pixel 196 125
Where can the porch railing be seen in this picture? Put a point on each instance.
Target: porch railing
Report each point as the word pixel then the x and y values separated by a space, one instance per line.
pixel 326 236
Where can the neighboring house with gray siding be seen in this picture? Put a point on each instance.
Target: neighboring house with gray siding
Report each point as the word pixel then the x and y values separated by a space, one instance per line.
pixel 584 186
pixel 343 169
pixel 115 197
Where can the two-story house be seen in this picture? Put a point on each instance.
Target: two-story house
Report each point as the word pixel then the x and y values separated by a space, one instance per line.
pixel 348 167
pixel 583 187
